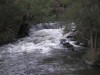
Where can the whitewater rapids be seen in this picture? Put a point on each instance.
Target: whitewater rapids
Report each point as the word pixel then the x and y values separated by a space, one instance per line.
pixel 17 57
pixel 38 54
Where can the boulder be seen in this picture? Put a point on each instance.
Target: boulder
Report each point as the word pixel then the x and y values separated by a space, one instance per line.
pixel 77 43
pixel 68 45
pixel 72 39
pixel 70 36
pixel 62 41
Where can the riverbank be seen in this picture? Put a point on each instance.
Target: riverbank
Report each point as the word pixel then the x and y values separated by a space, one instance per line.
pixel 91 57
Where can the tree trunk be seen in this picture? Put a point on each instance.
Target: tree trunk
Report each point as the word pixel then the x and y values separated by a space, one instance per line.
pixel 91 39
pixel 95 42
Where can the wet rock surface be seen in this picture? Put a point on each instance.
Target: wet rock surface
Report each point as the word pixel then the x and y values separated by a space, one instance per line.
pixel 23 30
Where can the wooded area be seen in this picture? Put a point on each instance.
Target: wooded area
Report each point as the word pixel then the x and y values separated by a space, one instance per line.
pixel 85 14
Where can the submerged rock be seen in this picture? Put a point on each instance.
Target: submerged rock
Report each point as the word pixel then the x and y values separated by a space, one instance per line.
pixel 76 42
pixel 62 41
pixel 68 45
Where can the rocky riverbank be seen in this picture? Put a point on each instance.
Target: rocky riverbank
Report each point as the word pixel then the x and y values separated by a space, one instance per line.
pixel 70 41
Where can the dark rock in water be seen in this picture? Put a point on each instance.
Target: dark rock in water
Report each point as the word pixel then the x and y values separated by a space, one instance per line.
pixel 70 36
pixel 77 43
pixel 23 30
pixel 68 45
pixel 72 39
pixel 62 41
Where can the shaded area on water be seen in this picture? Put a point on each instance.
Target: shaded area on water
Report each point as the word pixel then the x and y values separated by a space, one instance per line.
pixel 92 71
pixel 58 62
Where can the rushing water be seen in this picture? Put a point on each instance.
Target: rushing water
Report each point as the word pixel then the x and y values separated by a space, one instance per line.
pixel 42 54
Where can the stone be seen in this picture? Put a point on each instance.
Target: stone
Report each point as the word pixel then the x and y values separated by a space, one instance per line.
pixel 70 36
pixel 68 45
pixel 62 41
pixel 77 43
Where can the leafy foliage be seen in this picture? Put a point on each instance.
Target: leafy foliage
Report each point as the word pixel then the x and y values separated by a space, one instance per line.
pixel 83 12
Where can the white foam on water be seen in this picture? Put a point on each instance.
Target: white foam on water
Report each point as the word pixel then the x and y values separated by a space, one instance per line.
pixel 47 39
pixel 37 45
pixel 43 40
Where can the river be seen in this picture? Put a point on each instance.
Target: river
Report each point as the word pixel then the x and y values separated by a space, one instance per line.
pixel 42 54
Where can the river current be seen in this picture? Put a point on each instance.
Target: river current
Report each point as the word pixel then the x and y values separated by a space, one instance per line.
pixel 42 54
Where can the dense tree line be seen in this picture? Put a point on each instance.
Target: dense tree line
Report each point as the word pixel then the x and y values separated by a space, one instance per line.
pixel 15 13
pixel 86 15
pixel 18 13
